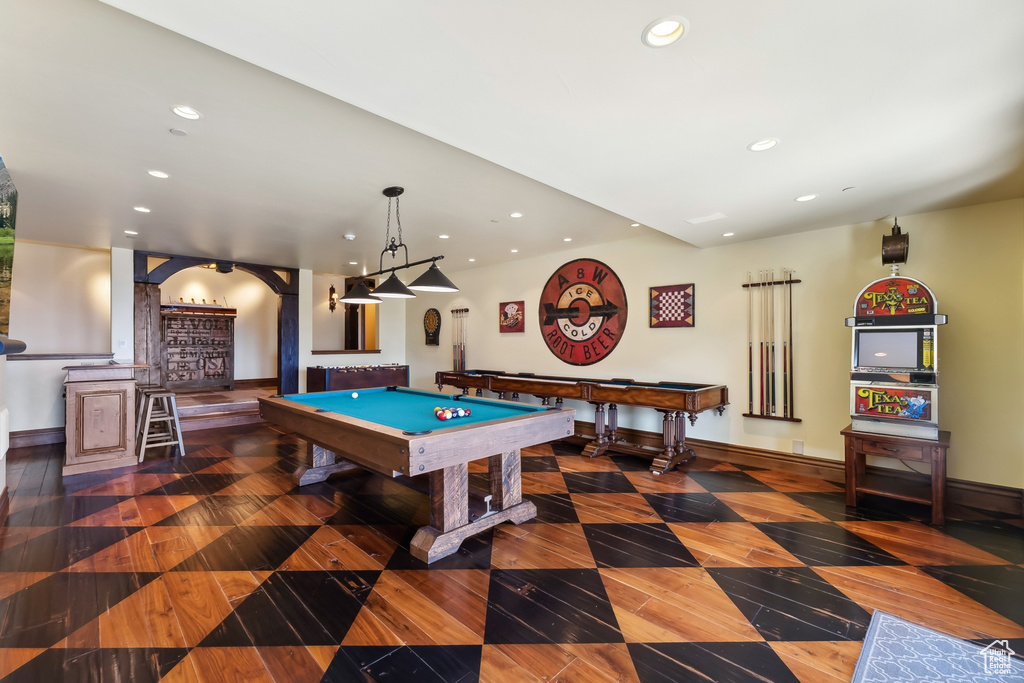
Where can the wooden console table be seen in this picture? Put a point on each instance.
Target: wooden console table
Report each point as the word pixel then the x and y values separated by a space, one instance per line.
pixel 859 445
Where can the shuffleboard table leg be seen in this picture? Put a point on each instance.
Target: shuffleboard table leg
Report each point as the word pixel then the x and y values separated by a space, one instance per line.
pixel 660 465
pixel 320 464
pixel 449 506
pixel 600 445
pixel 613 423
pixel 673 435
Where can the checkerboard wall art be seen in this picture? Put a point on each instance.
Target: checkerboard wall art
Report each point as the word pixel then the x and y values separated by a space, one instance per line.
pixel 672 306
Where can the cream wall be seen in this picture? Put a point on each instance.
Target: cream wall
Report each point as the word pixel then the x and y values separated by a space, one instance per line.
pixel 328 327
pixel 60 298
pixel 972 258
pixel 60 303
pixel 256 323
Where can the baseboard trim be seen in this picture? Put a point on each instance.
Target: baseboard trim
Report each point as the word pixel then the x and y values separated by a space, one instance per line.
pixel 5 505
pixel 255 383
pixel 37 437
pixel 991 497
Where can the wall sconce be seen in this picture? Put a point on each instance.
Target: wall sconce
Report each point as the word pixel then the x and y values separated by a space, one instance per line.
pixel 332 298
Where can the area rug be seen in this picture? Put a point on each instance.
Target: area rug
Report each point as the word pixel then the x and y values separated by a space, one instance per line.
pixel 897 650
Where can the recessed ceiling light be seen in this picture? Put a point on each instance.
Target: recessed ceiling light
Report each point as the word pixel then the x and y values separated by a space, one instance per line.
pixel 762 145
pixel 158 174
pixel 472 260
pixel 353 263
pixel 806 198
pixel 179 132
pixel 567 239
pixel 141 209
pixel 516 214
pixel 728 234
pixel 130 233
pixel 186 112
pixel 634 225
pixel 515 251
pixel 443 237
pixel 664 31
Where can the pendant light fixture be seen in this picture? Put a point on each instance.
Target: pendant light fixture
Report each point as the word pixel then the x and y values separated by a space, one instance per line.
pixel 359 294
pixel 433 280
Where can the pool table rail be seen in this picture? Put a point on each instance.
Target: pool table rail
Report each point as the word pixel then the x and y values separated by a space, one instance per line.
pixel 394 452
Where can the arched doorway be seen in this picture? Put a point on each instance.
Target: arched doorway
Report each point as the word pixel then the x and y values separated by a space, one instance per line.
pixel 151 269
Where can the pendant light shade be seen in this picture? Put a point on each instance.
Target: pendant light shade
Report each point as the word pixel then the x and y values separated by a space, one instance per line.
pixel 392 288
pixel 433 281
pixel 360 294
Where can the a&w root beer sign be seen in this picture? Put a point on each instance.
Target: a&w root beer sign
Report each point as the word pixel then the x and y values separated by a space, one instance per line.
pixel 582 311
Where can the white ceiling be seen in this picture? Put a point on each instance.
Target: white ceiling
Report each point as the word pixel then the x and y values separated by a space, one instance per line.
pixel 480 108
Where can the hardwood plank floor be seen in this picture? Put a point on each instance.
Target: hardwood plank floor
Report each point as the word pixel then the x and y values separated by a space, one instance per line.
pixel 216 567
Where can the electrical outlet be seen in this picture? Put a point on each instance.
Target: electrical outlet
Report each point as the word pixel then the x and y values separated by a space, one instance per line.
pixel 123 343
pixel 798 446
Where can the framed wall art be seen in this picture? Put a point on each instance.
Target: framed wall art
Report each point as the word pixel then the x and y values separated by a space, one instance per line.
pixel 672 306
pixel 510 316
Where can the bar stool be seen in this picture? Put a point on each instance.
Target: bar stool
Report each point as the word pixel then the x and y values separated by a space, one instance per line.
pixel 141 392
pixel 160 426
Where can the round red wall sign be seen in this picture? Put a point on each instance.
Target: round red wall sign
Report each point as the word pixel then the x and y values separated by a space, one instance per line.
pixel 582 311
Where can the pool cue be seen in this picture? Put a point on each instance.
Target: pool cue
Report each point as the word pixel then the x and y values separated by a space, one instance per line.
pixel 771 335
pixel 785 356
pixel 760 336
pixel 455 339
pixel 465 334
pixel 792 362
pixel 764 316
pixel 750 348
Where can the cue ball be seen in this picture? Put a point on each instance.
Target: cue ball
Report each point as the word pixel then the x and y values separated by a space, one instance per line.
pixel 355 394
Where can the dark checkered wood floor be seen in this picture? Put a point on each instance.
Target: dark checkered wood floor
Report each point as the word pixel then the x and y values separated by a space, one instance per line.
pixel 215 567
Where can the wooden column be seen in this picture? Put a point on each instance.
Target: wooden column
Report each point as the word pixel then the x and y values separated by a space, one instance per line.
pixel 148 350
pixel 288 344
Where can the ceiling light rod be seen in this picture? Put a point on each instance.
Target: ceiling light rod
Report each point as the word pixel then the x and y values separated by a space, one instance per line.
pixel 390 244
pixel 433 280
pixel 392 269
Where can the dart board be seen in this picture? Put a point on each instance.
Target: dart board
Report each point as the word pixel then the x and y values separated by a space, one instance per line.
pixel 432 326
pixel 583 311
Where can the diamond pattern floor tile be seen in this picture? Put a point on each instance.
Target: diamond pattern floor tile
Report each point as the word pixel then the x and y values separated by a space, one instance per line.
pixel 217 567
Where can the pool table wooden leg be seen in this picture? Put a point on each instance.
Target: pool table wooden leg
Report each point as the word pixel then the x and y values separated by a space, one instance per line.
pixel 320 464
pixel 449 506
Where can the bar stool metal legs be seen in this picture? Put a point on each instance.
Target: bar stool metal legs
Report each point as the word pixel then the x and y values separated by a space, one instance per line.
pixel 159 423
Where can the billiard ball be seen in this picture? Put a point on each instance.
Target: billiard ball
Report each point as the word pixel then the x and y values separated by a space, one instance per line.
pixel 355 394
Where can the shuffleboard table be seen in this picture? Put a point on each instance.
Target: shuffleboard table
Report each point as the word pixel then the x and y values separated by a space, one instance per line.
pixel 673 399
pixel 394 431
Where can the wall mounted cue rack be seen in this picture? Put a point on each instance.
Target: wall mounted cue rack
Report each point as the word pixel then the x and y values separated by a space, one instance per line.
pixel 770 360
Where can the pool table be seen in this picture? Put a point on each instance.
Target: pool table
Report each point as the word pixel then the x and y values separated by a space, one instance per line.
pixel 393 431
